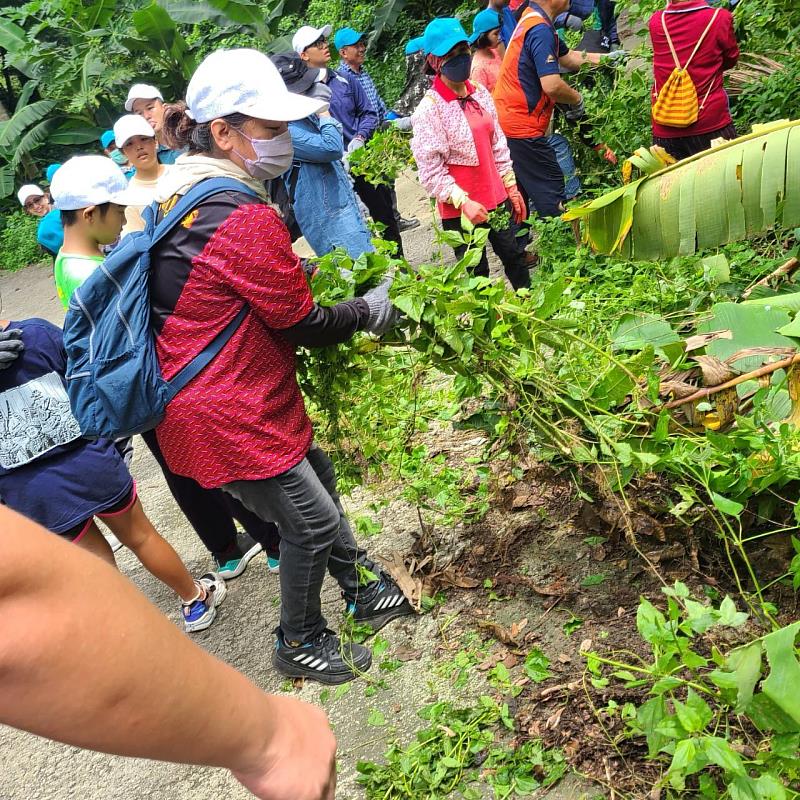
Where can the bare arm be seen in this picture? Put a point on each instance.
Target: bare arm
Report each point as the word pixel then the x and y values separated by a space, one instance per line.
pixel 117 676
pixel 559 90
pixel 575 59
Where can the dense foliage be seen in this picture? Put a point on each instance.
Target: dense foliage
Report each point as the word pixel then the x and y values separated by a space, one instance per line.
pixel 18 245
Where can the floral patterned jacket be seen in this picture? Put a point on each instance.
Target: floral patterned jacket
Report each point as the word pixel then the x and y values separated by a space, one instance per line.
pixel 442 136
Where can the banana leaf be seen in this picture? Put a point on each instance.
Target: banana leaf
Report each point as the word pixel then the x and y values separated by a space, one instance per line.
pixel 740 188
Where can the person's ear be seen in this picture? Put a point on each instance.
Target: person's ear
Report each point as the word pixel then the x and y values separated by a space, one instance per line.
pixel 222 133
pixel 89 214
pixel 304 56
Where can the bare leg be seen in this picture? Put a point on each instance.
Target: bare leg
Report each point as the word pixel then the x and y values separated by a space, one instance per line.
pixel 94 542
pixel 137 533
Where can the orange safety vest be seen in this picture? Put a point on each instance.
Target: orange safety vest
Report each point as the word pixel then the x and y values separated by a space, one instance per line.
pixel 517 119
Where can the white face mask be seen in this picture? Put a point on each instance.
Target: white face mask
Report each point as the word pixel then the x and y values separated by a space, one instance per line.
pixel 273 156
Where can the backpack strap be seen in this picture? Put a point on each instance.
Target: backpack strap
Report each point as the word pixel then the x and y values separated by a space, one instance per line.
pixel 199 192
pixel 696 47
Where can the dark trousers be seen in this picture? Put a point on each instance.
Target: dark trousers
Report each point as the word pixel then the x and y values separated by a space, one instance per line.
pixel 315 537
pixel 211 512
pixel 378 200
pixel 539 175
pixel 505 244
pixel 607 11
pixel 681 147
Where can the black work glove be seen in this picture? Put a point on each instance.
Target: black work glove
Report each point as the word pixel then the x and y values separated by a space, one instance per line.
pixel 575 112
pixel 11 345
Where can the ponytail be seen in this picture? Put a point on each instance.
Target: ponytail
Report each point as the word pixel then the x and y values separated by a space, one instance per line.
pixel 179 130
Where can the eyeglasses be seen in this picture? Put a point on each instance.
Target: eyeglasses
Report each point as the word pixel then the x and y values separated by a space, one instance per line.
pixel 29 204
pixel 321 42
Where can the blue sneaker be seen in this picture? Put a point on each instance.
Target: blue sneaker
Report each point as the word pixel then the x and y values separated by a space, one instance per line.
pixel 234 567
pixel 273 565
pixel 199 614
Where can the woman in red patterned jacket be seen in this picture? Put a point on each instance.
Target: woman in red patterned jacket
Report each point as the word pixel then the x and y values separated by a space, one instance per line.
pixel 241 424
pixel 461 152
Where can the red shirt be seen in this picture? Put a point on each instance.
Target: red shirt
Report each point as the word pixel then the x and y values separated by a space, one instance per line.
pixel 482 183
pixel 719 51
pixel 243 417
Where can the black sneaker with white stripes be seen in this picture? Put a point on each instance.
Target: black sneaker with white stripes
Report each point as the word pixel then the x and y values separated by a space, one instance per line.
pixel 380 605
pixel 325 659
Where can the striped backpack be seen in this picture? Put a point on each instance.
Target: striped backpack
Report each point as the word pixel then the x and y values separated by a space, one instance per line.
pixel 676 104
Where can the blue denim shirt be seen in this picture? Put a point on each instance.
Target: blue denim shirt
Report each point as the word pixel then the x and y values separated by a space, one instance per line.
pixel 324 204
pixel 350 105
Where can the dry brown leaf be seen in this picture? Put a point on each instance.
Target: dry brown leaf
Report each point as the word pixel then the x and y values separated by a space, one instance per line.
pixel 410 586
pixel 586 646
pixel 510 661
pixel 702 339
pixel 554 720
pixel 499 632
pixel 714 370
pixel 404 654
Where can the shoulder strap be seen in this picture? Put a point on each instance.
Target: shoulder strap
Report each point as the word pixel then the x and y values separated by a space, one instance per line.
pixel 703 36
pixel 207 354
pixel 696 47
pixel 199 192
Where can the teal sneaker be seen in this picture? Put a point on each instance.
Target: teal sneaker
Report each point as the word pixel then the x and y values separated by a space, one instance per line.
pixel 234 567
pixel 273 565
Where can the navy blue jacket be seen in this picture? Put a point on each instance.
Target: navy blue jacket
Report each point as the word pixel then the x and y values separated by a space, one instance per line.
pixel 350 106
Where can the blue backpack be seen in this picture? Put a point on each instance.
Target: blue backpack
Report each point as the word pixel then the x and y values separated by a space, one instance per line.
pixel 114 381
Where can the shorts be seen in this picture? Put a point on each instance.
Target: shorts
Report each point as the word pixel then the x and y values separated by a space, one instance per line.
pixel 77 532
pixel 539 174
pixel 681 147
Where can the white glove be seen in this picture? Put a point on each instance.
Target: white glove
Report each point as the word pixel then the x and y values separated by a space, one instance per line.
pixel 402 123
pixel 355 144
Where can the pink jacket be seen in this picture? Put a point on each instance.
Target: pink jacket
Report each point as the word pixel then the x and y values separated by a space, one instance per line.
pixel 442 136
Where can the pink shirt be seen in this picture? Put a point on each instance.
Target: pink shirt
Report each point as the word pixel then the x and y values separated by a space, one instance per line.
pixel 486 67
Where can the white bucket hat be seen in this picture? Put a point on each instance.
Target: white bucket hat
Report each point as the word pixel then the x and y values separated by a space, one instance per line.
pixel 141 91
pixel 131 125
pixel 84 181
pixel 307 35
pixel 27 191
pixel 245 82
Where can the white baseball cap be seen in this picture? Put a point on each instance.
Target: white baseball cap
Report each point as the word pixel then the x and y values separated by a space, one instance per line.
pixel 27 191
pixel 308 35
pixel 84 181
pixel 141 91
pixel 245 82
pixel 131 125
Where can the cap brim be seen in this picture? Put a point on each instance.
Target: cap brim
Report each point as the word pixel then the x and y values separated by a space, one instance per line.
pixel 289 108
pixel 325 30
pixel 127 197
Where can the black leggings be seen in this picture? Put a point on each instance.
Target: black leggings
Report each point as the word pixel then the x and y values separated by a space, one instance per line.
pixel 506 244
pixel 211 512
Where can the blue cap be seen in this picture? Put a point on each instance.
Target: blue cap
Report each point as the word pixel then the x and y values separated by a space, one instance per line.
pixel 50 171
pixel 415 45
pixel 442 35
pixel 344 37
pixel 106 139
pixel 487 20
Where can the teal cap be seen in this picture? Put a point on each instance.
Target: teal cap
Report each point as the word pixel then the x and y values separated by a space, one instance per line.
pixel 50 171
pixel 106 139
pixel 442 35
pixel 487 20
pixel 415 45
pixel 344 37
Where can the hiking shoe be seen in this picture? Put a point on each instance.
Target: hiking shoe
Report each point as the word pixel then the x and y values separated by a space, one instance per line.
pixel 199 614
pixel 407 224
pixel 380 606
pixel 233 567
pixel 325 659
pixel 273 565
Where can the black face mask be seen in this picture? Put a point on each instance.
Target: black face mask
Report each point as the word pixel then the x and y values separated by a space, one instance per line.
pixel 457 69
